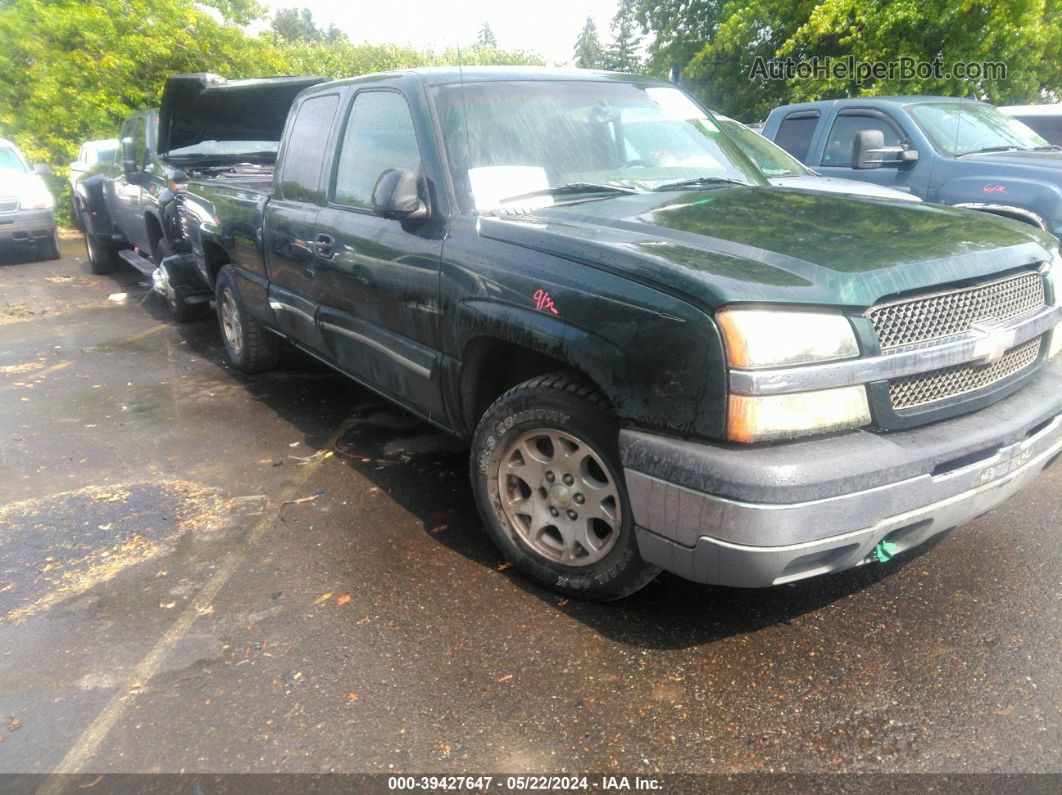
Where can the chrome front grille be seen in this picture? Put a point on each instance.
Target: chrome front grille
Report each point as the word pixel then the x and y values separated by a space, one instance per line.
pixel 919 390
pixel 937 315
pixel 8 204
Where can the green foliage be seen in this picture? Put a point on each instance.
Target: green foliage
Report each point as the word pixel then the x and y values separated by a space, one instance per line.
pixel 71 70
pixel 714 44
pixel 588 51
pixel 622 54
pixel 292 24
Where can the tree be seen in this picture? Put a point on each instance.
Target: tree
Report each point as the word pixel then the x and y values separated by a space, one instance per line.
pixel 293 24
pixel 588 52
pixel 622 53
pixel 485 37
pixel 715 43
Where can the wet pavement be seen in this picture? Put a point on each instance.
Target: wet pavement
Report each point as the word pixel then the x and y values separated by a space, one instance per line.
pixel 204 571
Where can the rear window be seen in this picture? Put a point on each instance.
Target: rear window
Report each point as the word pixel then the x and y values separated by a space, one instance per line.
pixel 300 176
pixel 794 134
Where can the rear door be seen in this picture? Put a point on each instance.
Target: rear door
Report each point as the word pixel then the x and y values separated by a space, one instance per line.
pixel 379 277
pixel 290 215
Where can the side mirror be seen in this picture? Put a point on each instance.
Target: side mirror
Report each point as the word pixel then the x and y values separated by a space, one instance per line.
pixel 869 147
pixel 866 149
pixel 42 169
pixel 397 195
pixel 128 151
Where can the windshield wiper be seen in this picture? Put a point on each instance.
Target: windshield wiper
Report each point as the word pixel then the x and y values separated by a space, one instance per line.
pixel 682 183
pixel 1010 148
pixel 572 188
pixel 1048 148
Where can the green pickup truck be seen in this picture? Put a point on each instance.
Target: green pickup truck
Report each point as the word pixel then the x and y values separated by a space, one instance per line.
pixel 660 360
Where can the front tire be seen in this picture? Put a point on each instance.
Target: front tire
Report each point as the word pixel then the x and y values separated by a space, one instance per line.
pixel 550 490
pixel 250 346
pixel 102 254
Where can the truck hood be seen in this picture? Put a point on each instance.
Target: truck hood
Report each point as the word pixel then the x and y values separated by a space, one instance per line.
pixel 732 244
pixel 1041 161
pixel 205 107
pixel 851 187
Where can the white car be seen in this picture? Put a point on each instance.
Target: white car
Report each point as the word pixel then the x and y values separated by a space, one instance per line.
pixel 782 169
pixel 26 205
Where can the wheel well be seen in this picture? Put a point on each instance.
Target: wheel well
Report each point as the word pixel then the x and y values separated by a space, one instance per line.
pixel 214 257
pixel 154 235
pixel 490 367
pixel 1013 213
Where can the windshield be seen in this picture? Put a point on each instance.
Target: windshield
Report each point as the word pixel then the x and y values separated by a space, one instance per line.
pixel 772 159
pixel 11 161
pixel 527 137
pixel 960 129
pixel 223 149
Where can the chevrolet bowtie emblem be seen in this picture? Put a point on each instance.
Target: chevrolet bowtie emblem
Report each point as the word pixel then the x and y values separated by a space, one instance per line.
pixel 994 342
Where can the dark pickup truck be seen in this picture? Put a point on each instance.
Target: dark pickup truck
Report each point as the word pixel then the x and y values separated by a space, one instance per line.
pixel 660 360
pixel 944 150
pixel 206 127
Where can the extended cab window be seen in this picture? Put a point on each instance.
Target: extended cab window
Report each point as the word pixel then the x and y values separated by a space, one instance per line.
pixel 842 136
pixel 300 171
pixel 379 137
pixel 795 131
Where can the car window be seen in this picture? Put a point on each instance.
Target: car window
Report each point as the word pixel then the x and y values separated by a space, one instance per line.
pixel 140 143
pixel 841 141
pixel 794 133
pixel 10 160
pixel 960 128
pixel 379 137
pixel 300 176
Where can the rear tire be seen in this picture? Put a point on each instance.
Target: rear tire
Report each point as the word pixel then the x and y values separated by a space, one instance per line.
pixel 250 346
pixel 548 485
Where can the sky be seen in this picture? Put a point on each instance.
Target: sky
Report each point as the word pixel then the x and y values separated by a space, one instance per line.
pixel 547 27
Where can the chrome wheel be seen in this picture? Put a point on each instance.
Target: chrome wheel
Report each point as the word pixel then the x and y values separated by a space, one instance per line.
pixel 558 494
pixel 230 321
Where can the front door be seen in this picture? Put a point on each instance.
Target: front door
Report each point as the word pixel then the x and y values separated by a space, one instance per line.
pixel 836 158
pixel 379 277
pixel 290 218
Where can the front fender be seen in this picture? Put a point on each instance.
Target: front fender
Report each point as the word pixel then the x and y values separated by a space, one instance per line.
pixel 92 192
pixel 1033 201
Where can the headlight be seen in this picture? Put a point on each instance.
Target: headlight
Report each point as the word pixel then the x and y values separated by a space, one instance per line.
pixel 780 337
pixel 766 417
pixel 36 197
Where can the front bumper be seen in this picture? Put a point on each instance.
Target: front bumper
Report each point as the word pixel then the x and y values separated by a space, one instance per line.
pixel 753 517
pixel 26 226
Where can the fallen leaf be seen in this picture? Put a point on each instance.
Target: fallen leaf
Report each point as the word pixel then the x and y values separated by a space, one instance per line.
pixel 562 602
pixel 504 565
pixel 342 600
pixel 321 599
pixel 300 500
pixel 352 697
pixel 13 724
pixel 505 678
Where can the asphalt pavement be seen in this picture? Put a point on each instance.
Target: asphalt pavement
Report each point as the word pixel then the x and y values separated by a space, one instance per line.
pixel 202 571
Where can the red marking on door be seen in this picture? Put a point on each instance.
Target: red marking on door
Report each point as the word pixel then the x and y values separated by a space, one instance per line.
pixel 544 302
pixel 995 188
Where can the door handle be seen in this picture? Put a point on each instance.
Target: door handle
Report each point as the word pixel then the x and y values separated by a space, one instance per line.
pixel 322 246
